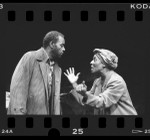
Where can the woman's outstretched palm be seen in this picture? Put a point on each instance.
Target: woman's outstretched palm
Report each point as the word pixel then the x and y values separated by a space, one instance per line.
pixel 70 74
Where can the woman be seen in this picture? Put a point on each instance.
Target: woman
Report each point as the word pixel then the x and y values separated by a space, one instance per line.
pixel 109 94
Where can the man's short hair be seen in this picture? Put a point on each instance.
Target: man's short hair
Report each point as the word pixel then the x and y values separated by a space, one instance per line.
pixel 51 36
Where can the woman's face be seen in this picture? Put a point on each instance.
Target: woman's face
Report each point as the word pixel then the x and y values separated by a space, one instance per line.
pixel 96 64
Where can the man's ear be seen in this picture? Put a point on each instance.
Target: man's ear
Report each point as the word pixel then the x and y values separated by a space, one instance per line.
pixel 51 44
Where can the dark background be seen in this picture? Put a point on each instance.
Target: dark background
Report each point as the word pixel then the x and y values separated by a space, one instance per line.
pixel 129 39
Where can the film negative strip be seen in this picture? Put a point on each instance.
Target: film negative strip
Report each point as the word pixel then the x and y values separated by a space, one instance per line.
pixel 75 69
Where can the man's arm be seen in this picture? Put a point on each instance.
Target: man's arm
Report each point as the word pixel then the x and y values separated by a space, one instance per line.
pixel 20 86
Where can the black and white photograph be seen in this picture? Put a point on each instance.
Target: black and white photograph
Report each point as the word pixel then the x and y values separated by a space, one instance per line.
pixel 75 60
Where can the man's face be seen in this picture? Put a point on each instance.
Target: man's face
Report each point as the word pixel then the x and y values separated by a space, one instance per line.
pixel 58 48
pixel 96 64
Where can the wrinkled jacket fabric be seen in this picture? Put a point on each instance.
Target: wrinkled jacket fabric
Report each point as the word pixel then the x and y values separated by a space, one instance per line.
pixel 110 99
pixel 28 89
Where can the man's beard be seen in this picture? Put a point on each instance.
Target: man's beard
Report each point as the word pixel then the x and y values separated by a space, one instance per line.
pixel 55 55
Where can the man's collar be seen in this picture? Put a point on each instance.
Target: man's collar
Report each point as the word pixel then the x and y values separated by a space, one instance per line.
pixel 48 58
pixel 52 63
pixel 43 56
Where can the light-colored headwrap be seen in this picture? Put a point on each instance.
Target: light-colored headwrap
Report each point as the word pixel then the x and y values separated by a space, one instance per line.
pixel 109 57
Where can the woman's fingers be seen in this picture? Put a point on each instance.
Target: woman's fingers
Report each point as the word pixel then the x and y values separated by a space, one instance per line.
pixel 70 70
pixel 80 87
pixel 65 74
pixel 73 70
pixel 78 74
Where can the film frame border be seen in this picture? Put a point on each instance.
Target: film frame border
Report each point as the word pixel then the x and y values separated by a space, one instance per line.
pixel 76 125
pixel 138 120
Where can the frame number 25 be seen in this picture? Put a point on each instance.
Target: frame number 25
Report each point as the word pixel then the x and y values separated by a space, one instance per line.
pixel 78 131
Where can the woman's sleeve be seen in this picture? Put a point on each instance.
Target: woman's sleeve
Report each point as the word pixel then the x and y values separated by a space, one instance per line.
pixel 109 97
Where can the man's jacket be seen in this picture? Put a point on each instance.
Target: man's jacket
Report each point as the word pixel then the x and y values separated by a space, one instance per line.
pixel 29 86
